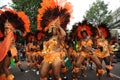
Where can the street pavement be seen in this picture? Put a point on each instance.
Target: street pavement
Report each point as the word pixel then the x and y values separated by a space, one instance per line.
pixel 31 75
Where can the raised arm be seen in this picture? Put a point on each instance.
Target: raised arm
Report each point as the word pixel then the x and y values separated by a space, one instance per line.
pixel 62 32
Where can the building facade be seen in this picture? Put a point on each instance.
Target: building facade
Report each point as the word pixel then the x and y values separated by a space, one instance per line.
pixel 115 25
pixel 116 19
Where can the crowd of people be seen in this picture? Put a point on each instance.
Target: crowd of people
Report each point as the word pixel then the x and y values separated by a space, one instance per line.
pixel 49 49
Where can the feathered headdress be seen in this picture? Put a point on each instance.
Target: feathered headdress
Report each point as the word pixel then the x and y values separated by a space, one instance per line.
pixel 19 20
pixel 51 10
pixel 103 30
pixel 84 26
pixel 73 32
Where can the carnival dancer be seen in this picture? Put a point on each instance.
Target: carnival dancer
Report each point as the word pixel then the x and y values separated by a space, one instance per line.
pixel 103 47
pixel 53 17
pixel 9 21
pixel 30 50
pixel 76 43
pixel 39 47
pixel 14 53
pixel 53 51
pixel 87 51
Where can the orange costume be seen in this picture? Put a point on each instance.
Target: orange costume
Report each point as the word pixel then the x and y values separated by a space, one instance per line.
pixel 87 45
pixel 9 20
pixel 29 53
pixel 102 43
pixel 103 51
pixel 52 51
pixel 102 46
pixel 52 18
pixel 84 32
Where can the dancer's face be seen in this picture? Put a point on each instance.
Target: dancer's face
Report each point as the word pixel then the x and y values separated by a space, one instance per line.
pixel 8 28
pixel 84 34
pixel 54 26
pixel 55 23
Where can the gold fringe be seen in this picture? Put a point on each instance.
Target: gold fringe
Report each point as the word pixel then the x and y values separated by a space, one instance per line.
pixel 109 67
pixel 101 71
pixel 10 77
pixel 3 77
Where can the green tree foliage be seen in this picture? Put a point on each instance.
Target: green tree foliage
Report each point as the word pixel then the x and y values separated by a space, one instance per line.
pixel 98 13
pixel 30 7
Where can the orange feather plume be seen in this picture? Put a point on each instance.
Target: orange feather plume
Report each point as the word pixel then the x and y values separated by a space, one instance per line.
pixel 104 30
pixel 18 19
pixel 84 27
pixel 50 10
pixel 25 19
